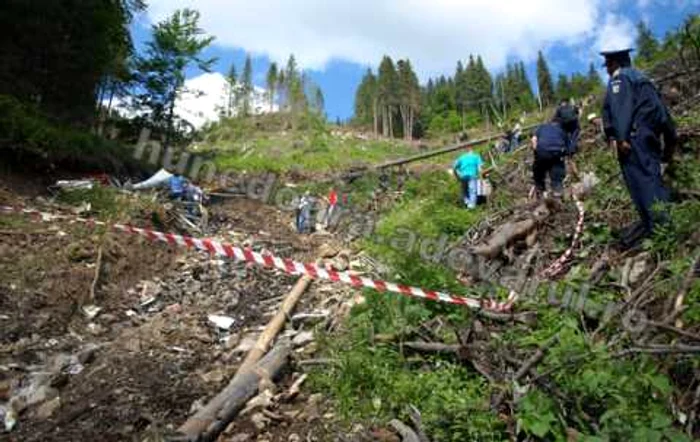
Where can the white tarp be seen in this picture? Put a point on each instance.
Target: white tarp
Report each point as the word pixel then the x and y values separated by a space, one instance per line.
pixel 161 177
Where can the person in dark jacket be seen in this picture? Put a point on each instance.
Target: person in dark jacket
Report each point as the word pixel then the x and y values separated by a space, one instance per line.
pixel 634 120
pixel 551 146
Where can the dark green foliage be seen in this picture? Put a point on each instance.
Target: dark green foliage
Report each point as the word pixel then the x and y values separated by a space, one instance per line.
pixel 366 99
pixel 57 53
pixel 176 44
pixel 272 75
pixel 647 45
pixel 247 86
pixel 31 140
pixel 544 81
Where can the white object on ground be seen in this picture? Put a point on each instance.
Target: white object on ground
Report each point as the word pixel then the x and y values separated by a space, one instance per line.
pixel 223 322
pixel 75 184
pixel 161 177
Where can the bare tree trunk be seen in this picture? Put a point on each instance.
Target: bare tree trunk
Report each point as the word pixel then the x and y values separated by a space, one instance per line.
pixel 375 114
pixel 404 119
pixel 390 116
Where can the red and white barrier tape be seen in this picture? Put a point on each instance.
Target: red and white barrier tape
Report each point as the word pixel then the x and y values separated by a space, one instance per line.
pixel 558 265
pixel 289 266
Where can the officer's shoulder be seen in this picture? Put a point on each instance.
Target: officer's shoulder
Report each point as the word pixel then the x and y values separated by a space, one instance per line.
pixel 633 74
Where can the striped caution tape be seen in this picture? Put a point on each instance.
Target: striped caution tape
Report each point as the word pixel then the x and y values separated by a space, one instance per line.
pixel 287 265
pixel 558 266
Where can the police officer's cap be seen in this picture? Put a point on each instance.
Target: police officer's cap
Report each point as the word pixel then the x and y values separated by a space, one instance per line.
pixel 620 55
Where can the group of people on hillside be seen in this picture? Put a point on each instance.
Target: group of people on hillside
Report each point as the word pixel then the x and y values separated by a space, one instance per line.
pixel 634 122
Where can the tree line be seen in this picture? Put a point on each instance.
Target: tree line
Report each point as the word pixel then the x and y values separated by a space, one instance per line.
pixel 394 104
pixel 288 89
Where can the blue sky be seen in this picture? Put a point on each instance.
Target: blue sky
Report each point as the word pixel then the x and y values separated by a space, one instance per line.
pixel 337 41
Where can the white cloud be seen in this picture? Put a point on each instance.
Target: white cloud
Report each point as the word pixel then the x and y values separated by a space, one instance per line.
pixel 433 33
pixel 615 33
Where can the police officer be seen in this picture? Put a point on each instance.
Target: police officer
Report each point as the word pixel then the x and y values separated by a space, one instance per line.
pixel 634 119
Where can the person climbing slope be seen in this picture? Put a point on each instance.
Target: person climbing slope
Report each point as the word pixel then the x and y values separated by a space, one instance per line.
pixel 634 120
pixel 551 144
pixel 467 169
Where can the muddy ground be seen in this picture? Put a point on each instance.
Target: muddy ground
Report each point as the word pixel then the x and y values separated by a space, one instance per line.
pixel 136 360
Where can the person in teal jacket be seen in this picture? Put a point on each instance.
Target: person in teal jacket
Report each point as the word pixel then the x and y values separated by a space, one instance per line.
pixel 467 168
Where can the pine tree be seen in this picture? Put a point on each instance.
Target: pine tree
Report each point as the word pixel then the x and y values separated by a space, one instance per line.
pixel 527 97
pixel 484 81
pixel 295 88
pixel 579 85
pixel 564 91
pixel 472 81
pixel 387 94
pixel 365 97
pixel 319 101
pixel 544 81
pixel 408 96
pixel 647 44
pixel 461 92
pixel 484 88
pixel 247 86
pixel 282 93
pixel 232 91
pixel 594 81
pixel 272 84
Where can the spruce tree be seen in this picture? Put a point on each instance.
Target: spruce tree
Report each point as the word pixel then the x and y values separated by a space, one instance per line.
pixel 544 81
pixel 593 79
pixel 526 96
pixel 366 99
pixel 232 91
pixel 564 91
pixel 272 74
pixel 647 44
pixel 247 86
pixel 484 81
pixel 461 88
pixel 408 96
pixel 387 94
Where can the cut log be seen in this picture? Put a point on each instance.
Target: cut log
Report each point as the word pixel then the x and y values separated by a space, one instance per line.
pixel 242 388
pixel 511 232
pixel 198 423
pixel 276 324
pixel 504 236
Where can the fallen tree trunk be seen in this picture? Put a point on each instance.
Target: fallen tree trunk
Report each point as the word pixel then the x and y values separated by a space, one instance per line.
pixel 198 423
pixel 276 324
pixel 504 236
pixel 243 387
pixel 511 232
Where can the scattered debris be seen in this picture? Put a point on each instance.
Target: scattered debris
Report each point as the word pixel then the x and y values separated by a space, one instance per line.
pixel 303 338
pixel 222 322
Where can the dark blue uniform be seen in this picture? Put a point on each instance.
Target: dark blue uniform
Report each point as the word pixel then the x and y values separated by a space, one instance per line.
pixel 553 144
pixel 633 112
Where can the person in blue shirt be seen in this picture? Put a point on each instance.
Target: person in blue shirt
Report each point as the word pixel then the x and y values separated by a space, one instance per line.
pixel 634 119
pixel 177 185
pixel 551 144
pixel 467 169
